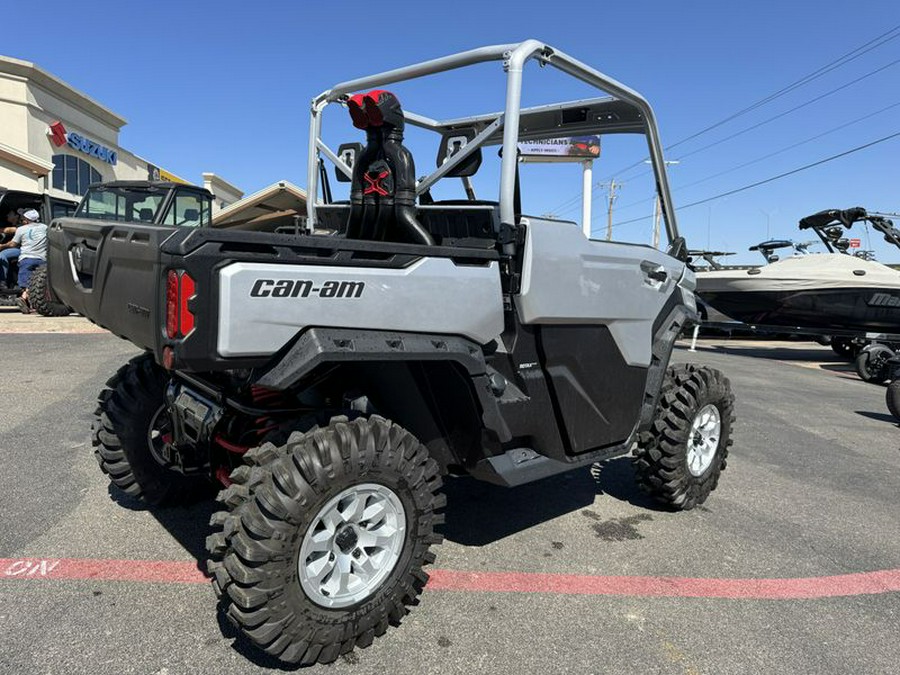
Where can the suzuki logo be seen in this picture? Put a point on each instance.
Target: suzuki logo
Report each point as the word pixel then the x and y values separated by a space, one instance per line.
pixel 57 133
pixel 60 137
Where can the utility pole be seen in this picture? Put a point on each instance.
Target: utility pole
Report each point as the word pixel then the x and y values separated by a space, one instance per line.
pixel 657 213
pixel 612 198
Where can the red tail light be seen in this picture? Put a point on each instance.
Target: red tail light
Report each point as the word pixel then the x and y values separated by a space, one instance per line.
pixel 180 288
pixel 186 292
pixel 172 305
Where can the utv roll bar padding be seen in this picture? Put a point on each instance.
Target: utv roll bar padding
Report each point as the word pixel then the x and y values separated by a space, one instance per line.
pixel 514 57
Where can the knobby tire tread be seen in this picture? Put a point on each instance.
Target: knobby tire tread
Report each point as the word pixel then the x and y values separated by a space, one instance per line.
pixel 660 458
pixel 269 505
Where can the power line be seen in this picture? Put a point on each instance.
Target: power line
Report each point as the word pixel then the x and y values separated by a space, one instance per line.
pixel 773 178
pixel 773 118
pixel 769 155
pixel 855 53
pixel 806 79
pixel 794 109
pixel 792 146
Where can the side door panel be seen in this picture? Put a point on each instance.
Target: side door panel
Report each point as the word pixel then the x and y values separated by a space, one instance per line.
pixel 594 304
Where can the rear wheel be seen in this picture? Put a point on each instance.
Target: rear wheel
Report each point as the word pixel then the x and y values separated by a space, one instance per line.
pixel 679 460
pixel 872 364
pixel 324 538
pixel 40 295
pixel 892 398
pixel 129 433
pixel 844 347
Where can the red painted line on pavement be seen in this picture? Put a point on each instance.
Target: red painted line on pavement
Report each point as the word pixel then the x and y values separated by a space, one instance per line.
pixel 152 571
pixel 862 583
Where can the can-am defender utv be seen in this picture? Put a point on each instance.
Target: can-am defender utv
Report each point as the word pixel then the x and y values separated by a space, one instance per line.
pixel 329 381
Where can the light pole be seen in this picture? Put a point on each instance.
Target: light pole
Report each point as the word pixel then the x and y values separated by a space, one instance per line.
pixel 767 214
pixel 657 206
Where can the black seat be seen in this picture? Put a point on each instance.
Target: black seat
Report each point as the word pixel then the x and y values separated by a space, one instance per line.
pixel 383 190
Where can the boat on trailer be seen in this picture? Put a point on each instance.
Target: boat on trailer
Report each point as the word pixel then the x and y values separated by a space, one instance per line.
pixel 829 293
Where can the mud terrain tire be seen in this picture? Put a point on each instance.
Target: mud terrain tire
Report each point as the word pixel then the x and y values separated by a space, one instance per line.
pixel 871 364
pixel 892 399
pixel 679 460
pixel 41 297
pixel 129 420
pixel 290 495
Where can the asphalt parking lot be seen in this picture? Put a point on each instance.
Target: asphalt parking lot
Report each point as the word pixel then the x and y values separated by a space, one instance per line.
pixel 793 565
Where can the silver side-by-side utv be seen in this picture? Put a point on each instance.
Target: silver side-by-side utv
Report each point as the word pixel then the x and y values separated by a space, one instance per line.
pixel 328 380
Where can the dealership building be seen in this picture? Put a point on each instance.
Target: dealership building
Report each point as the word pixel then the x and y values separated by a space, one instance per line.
pixel 56 139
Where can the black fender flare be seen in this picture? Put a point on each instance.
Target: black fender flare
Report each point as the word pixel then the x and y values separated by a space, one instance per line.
pixel 317 346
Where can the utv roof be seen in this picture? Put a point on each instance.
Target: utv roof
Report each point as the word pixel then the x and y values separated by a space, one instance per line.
pixel 150 185
pixel 604 115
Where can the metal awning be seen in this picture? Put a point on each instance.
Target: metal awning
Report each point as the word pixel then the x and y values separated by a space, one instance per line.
pixel 282 199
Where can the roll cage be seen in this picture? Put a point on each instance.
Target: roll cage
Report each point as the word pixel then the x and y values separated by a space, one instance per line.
pixel 622 111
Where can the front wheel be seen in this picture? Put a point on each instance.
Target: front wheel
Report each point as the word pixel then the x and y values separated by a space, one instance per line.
pixel 892 398
pixel 872 364
pixel 844 347
pixel 679 460
pixel 323 541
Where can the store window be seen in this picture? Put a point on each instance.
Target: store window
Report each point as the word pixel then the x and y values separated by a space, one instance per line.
pixel 73 175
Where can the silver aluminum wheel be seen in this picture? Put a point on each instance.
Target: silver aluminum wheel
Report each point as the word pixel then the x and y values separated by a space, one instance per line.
pixel 352 545
pixel 159 427
pixel 703 441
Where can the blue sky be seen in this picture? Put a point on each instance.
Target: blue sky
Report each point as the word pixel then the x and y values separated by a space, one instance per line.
pixel 225 87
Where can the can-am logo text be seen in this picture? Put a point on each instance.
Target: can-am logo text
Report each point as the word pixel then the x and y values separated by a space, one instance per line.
pixel 884 300
pixel 303 288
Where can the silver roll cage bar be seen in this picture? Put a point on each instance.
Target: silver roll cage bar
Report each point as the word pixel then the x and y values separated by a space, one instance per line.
pixel 513 57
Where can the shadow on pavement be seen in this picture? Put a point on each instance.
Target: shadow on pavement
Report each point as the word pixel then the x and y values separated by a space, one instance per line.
pixel 615 478
pixel 477 513
pixel 839 367
pixel 189 524
pixel 881 417
pixel 481 513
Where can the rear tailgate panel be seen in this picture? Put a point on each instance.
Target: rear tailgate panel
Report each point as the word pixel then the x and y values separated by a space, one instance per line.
pixel 112 274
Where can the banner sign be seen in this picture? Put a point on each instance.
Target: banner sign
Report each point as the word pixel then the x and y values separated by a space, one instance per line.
pixel 576 148
pixel 155 173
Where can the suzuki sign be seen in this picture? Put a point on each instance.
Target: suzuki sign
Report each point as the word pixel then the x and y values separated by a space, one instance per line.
pixel 59 137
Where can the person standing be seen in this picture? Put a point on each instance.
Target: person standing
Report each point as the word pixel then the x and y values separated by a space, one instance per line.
pixel 31 238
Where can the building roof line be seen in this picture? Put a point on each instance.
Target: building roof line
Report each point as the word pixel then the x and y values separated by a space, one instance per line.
pixel 216 178
pixel 60 88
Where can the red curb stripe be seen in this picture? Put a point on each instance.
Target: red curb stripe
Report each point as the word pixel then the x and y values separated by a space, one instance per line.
pixel 151 571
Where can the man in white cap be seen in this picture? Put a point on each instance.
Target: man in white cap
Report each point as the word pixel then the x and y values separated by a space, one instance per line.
pixel 31 240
